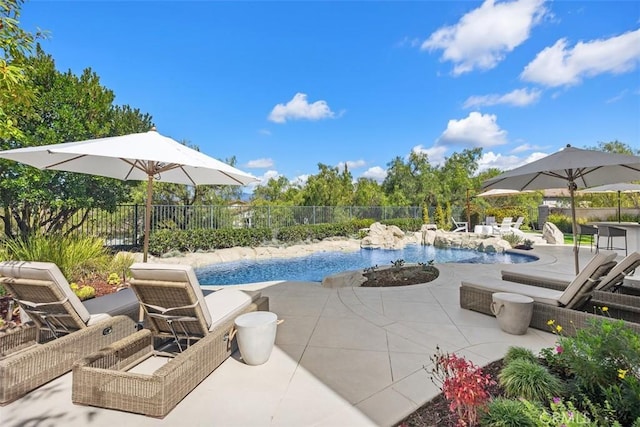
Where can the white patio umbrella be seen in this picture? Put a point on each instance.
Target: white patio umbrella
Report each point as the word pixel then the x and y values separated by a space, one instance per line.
pixel 573 167
pixel 140 156
pixel 621 187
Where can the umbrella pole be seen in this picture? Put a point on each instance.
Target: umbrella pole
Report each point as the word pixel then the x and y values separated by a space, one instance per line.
pixel 574 226
pixel 618 206
pixel 147 219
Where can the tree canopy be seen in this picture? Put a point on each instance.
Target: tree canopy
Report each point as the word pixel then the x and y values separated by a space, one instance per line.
pixel 67 108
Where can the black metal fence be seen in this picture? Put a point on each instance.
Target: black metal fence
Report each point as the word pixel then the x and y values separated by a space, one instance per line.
pixel 125 225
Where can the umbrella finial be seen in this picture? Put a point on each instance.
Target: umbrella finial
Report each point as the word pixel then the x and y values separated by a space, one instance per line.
pixel 153 128
pixel 568 145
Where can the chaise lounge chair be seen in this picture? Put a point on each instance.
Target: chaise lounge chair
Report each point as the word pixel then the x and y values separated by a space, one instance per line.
pixel 573 306
pixel 504 227
pixel 60 329
pixel 613 282
pixel 123 376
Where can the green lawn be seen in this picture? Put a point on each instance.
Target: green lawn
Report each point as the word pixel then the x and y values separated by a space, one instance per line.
pixel 584 240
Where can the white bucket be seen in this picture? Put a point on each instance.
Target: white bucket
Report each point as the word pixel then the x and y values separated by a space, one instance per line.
pixel 256 334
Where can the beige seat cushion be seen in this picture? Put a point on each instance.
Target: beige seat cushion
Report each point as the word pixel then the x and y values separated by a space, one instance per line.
pixel 225 304
pixel 172 273
pixel 539 294
pixel 579 282
pixel 620 271
pixel 45 272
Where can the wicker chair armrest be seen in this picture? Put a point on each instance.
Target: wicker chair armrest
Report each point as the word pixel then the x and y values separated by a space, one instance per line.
pixel 121 354
pixel 15 339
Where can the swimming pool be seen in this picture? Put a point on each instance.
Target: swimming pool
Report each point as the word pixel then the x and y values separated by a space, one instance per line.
pixel 315 267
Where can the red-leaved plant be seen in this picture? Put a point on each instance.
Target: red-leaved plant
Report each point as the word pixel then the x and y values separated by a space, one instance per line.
pixel 463 384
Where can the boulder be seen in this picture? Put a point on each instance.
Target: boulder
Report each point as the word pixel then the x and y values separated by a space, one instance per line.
pixel 388 237
pixel 477 242
pixel 551 234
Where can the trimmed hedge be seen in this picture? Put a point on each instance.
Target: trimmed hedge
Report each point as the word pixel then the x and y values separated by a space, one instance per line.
pixel 163 241
pixel 300 233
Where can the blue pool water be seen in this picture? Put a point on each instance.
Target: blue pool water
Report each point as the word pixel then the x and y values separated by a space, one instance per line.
pixel 315 267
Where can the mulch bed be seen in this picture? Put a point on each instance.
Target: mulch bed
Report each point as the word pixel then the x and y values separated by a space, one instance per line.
pixel 400 276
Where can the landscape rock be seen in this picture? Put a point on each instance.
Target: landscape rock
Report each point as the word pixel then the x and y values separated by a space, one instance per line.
pixel 388 237
pixel 478 242
pixel 552 234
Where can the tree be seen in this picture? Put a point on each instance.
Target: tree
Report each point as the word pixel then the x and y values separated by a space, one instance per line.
pixel 399 184
pixel 368 193
pixel 616 147
pixel 329 187
pixel 67 108
pixel 15 43
pixel 273 191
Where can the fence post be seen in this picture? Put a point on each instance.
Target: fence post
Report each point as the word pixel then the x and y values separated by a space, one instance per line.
pixel 135 225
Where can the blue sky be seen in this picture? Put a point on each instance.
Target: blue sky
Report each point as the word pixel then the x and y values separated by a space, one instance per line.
pixel 283 86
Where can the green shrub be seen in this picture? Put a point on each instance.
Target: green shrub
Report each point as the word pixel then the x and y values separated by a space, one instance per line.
pixel 563 222
pixel 603 359
pixel 529 380
pixel 519 353
pixel 120 264
pixel 503 412
pixel 512 238
pixel 558 414
pixel 163 241
pixel 302 233
pixel 84 292
pixel 76 256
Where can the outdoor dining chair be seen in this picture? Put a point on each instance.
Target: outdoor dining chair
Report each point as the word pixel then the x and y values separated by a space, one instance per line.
pixel 610 233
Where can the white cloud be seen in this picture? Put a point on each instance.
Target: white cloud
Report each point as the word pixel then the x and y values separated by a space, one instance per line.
pixel 260 163
pixel 264 179
pixel 266 132
pixel 617 97
pixel 477 130
pixel 483 37
pixel 492 160
pixel 300 180
pixel 352 164
pixel 300 109
pixel 406 41
pixel 525 147
pixel 435 154
pixel 376 173
pixel 517 98
pixel 560 65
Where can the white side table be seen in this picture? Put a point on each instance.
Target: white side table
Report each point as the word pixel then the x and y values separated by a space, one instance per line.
pixel 256 334
pixel 513 311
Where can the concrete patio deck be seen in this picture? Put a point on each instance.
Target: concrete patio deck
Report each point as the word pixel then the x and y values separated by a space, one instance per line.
pixel 343 357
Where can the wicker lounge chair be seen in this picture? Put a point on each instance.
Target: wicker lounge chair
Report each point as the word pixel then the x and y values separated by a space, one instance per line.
pixel 122 376
pixel 613 282
pixel 573 306
pixel 60 330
